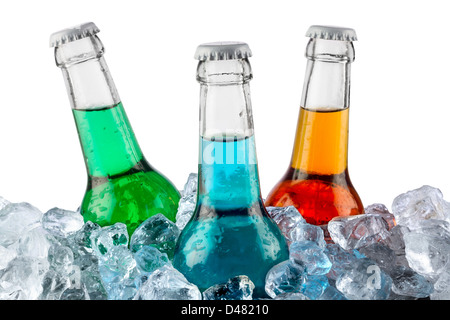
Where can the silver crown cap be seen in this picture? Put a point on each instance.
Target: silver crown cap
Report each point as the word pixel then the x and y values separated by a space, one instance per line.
pixel 223 51
pixel 81 31
pixel 331 33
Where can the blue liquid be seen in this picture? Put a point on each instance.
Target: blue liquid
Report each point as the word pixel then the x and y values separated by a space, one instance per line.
pixel 230 233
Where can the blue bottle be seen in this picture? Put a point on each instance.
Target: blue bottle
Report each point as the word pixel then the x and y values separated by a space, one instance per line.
pixel 230 233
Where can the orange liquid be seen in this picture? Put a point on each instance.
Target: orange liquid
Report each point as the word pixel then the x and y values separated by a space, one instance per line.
pixel 317 183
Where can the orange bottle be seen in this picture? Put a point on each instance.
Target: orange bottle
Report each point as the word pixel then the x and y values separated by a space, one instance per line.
pixel 317 181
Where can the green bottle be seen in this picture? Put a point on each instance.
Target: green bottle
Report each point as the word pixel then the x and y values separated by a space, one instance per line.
pixel 122 186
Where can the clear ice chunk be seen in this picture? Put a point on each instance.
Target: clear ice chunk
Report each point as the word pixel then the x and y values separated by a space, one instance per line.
pixel 6 255
pixel 381 254
pixel 364 281
pixel 103 240
pixel 287 218
pixel 118 273
pixel 15 220
pixel 35 243
pixel 61 223
pixel 120 263
pixel 22 279
pixel 124 289
pixel 357 231
pixel 309 254
pixel 60 259
pixel 331 293
pixel 442 287
pixel 407 282
pixel 236 288
pixel 188 200
pixel 190 187
pixel 376 208
pixel 167 283
pixel 314 286
pixel 427 254
pixel 148 259
pixel 3 202
pixel 156 231
pixel 284 277
pixel 426 202
pixel 116 263
pixel 80 241
pixel 341 260
pixel 309 232
pixel 74 294
pixel 53 285
pixel 90 276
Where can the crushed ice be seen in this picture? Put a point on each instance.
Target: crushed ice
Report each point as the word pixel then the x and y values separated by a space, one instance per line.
pixel 375 256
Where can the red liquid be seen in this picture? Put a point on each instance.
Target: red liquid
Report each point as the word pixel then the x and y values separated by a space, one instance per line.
pixel 318 198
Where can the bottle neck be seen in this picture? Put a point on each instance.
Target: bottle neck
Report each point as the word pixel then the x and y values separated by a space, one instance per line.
pixel 228 171
pixel 321 141
pixel 109 145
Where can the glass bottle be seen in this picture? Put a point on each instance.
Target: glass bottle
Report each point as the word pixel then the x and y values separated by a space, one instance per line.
pixel 317 181
pixel 230 233
pixel 122 186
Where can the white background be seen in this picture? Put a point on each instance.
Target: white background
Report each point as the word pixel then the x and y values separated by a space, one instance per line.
pixel 399 118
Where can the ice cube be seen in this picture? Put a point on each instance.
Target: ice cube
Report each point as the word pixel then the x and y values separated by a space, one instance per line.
pixel 376 208
pixel 53 285
pixel 285 277
pixel 188 200
pixel 61 259
pixel 442 287
pixel 427 254
pixel 426 202
pixel 75 294
pixel 186 207
pixel 156 231
pixel 190 187
pixel 357 231
pixel 22 279
pixel 341 260
pixel 167 283
pixel 120 262
pixel 90 276
pixel 364 281
pixel 15 220
pixel 3 202
pixel 35 243
pixel 6 255
pixel 103 240
pixel 407 282
pixel 236 288
pixel 331 293
pixel 314 286
pixel 148 259
pixel 287 218
pixel 384 257
pixel 80 241
pixel 306 231
pixel 61 223
pixel 62 273
pixel 309 254
pixel 122 289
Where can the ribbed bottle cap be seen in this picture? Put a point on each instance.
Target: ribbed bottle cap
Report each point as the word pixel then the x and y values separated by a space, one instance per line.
pixel 223 51
pixel 331 33
pixel 75 33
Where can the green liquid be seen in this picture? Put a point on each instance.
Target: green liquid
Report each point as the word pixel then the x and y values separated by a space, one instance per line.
pixel 122 186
